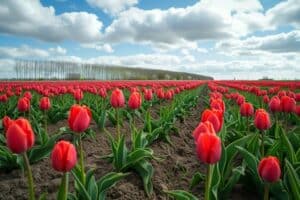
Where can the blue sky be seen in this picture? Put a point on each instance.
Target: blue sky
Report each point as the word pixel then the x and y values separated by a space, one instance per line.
pixel 242 39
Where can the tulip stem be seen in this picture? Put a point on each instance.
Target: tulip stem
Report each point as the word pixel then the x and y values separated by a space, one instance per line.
pixel 262 144
pixel 81 161
pixel 29 177
pixel 267 189
pixel 208 181
pixel 45 121
pixel 118 124
pixel 65 186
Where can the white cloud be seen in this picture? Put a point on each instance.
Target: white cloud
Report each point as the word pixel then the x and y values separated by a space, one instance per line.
pixel 278 43
pixel 32 19
pixel 112 7
pixel 58 50
pixel 99 47
pixel 22 52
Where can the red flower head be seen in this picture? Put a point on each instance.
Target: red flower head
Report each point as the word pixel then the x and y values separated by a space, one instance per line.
pixel 266 99
pixel 269 169
pixel 203 127
pixel 217 104
pixel 45 103
pixel 275 104
pixel 102 92
pixel 160 93
pixel 288 104
pixel 78 95
pixel 23 104
pixel 209 148
pixel 63 156
pixel 28 95
pixel 6 122
pixel 117 99
pixel 19 136
pixel 148 95
pixel 246 109
pixel 135 100
pixel 215 117
pixel 262 120
pixel 169 95
pixel 79 118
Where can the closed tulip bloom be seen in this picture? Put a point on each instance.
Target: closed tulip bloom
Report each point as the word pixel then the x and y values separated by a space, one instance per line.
pixel 19 136
pixel 102 92
pixel 269 169
pixel 79 118
pixel 160 93
pixel 275 104
pixel 23 104
pixel 203 127
pixel 135 100
pixel 63 156
pixel 169 95
pixel 209 148
pixel 266 99
pixel 45 103
pixel 217 104
pixel 262 120
pixel 6 121
pixel 117 99
pixel 215 117
pixel 3 98
pixel 148 95
pixel 28 95
pixel 240 100
pixel 78 95
pixel 288 104
pixel 246 109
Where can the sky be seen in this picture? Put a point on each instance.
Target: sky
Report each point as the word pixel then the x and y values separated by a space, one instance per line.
pixel 228 39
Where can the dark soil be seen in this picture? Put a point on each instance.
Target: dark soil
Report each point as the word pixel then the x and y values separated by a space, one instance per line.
pixel 174 170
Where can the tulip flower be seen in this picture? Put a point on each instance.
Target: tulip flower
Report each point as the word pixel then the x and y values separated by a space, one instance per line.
pixel 135 100
pixel 28 95
pixel 117 99
pixel 217 104
pixel 45 103
pixel 148 95
pixel 209 149
pixel 262 122
pixel 247 110
pixel 269 170
pixel 23 104
pixel 160 93
pixel 102 93
pixel 275 104
pixel 78 95
pixel 288 104
pixel 20 138
pixel 169 95
pixel 203 127
pixel 63 159
pixel 266 99
pixel 6 121
pixel 79 120
pixel 215 117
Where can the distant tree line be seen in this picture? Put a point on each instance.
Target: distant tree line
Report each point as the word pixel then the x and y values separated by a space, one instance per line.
pixel 48 70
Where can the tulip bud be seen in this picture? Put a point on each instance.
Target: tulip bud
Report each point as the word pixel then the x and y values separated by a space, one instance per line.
pixel 275 104
pixel 63 156
pixel 209 148
pixel 160 93
pixel 203 127
pixel 19 136
pixel 246 109
pixel 135 100
pixel 79 118
pixel 78 95
pixel 266 99
pixel 169 95
pixel 102 92
pixel 148 95
pixel 217 104
pixel 269 169
pixel 6 121
pixel 117 99
pixel 262 120
pixel 45 103
pixel 23 104
pixel 288 104
pixel 28 95
pixel 215 117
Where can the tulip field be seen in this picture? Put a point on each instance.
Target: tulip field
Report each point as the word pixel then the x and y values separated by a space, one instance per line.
pixel 183 140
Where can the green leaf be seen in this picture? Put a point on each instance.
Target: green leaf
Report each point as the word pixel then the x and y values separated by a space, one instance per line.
pixel 215 182
pixel 180 195
pixel 233 179
pixel 292 180
pixel 290 150
pixel 81 187
pixel 136 156
pixel 145 170
pixel 196 179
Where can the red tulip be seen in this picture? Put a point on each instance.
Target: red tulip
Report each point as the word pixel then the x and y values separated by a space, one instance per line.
pixel 160 93
pixel 215 117
pixel 6 121
pixel 135 100
pixel 102 92
pixel 169 95
pixel 63 156
pixel 19 136
pixel 288 104
pixel 79 118
pixel 148 95
pixel 23 104
pixel 217 104
pixel 240 100
pixel 262 120
pixel 203 127
pixel 45 103
pixel 209 148
pixel 28 95
pixel 3 98
pixel 266 99
pixel 275 104
pixel 117 99
pixel 246 109
pixel 78 95
pixel 269 169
